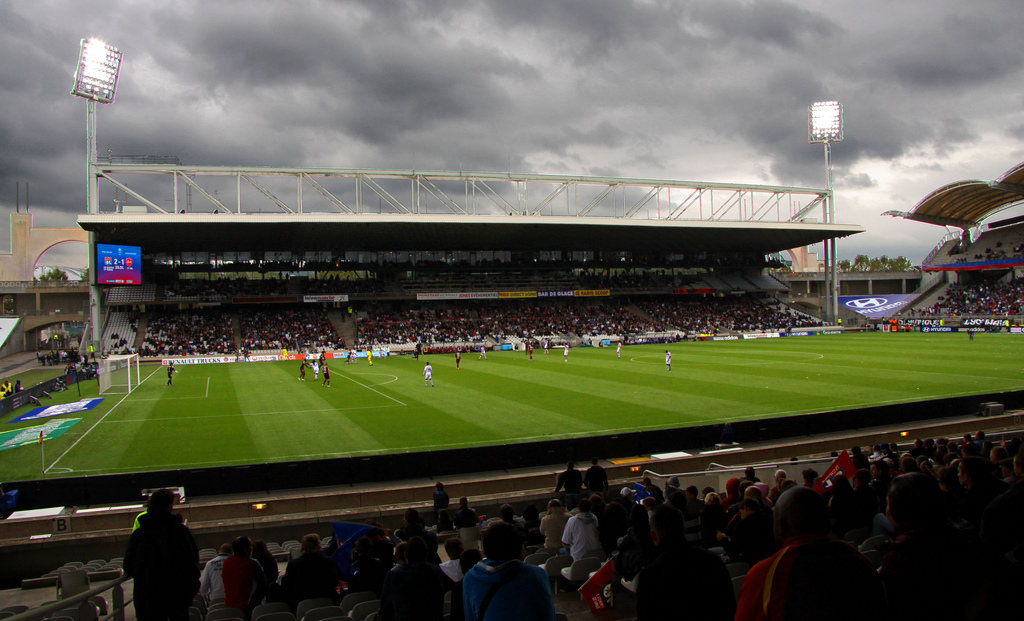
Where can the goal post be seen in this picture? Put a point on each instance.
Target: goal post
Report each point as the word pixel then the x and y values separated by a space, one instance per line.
pixel 119 374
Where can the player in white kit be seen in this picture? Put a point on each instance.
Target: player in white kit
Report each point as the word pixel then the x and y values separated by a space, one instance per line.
pixel 618 350
pixel 668 360
pixel 316 369
pixel 428 375
pixel 566 359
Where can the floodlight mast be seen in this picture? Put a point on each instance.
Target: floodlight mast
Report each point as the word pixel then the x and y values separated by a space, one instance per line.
pixel 825 126
pixel 96 76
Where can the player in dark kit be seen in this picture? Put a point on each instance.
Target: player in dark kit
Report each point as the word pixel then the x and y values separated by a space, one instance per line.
pixel 170 372
pixel 302 371
pixel 458 359
pixel 327 376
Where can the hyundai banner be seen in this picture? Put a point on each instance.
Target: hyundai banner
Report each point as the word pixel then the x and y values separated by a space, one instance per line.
pixel 875 306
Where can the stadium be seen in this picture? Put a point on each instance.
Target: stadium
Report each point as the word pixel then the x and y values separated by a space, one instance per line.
pixel 563 317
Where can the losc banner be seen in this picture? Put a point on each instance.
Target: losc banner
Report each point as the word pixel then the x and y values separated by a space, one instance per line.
pixel 875 306
pixel 987 323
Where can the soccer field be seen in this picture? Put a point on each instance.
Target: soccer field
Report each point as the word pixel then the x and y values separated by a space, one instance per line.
pixel 244 413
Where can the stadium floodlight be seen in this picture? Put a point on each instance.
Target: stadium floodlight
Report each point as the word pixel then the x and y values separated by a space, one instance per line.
pixel 96 75
pixel 825 122
pixel 98 67
pixel 825 126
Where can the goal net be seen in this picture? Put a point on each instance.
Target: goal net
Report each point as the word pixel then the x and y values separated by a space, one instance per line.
pixel 119 374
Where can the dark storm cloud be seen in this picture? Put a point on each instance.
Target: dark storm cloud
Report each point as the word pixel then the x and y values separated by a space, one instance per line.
pixel 712 90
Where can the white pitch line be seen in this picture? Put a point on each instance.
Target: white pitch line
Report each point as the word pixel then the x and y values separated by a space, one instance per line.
pixel 81 437
pixel 193 418
pixel 374 390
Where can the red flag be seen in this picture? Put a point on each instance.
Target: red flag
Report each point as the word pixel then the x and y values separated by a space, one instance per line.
pixel 842 466
pixel 597 591
pixel 40 437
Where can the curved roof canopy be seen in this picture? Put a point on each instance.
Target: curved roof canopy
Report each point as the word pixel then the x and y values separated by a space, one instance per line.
pixel 966 203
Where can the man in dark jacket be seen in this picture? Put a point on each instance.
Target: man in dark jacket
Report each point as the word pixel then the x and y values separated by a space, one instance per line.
pixel 163 560
pixel 310 575
pixel 572 481
pixel 682 573
pixel 414 590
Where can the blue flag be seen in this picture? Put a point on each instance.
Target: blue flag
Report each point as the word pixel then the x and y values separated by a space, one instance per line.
pixel 346 534
pixel 639 493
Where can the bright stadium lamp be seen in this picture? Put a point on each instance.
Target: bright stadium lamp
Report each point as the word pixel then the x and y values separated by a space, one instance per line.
pixel 98 67
pixel 825 122
pixel 95 81
pixel 825 126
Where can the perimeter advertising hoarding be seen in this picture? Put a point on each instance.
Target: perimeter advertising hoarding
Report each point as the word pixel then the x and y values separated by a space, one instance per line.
pixel 118 265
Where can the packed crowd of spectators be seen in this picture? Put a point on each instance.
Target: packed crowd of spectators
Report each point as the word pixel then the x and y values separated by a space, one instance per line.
pixel 472 324
pixel 188 333
pixel 225 287
pixel 334 285
pixel 846 548
pixel 295 329
pixel 442 325
pixel 714 315
pixel 995 298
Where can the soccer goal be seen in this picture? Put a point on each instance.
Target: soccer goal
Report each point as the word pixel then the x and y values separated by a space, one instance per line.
pixel 119 374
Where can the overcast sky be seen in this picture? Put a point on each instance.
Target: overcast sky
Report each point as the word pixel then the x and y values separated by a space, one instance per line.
pixel 710 90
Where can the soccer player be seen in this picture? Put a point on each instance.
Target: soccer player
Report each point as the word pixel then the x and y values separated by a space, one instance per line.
pixel 327 376
pixel 529 350
pixel 316 370
pixel 618 350
pixel 352 357
pixel 547 346
pixel 458 358
pixel 668 360
pixel 170 372
pixel 369 355
pixel 302 371
pixel 566 359
pixel 483 352
pixel 428 375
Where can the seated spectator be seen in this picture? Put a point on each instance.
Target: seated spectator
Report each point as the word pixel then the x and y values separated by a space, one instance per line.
pixel 682 577
pixel 210 583
pixel 773 493
pixel 464 517
pixel 453 548
pixel 261 554
pixel 811 575
pixel 612 526
pixel 368 571
pixel 310 575
pixel 468 559
pixel 414 526
pixel 1001 523
pixel 810 477
pixel 531 522
pixel 842 507
pixel 581 535
pixel 636 548
pixel 864 496
pixel 504 584
pixel 982 488
pixel 244 582
pixel 713 520
pixel 552 525
pixel 414 590
pixel 507 514
pixel 732 493
pixel 444 521
pixel 925 540
pixel 749 535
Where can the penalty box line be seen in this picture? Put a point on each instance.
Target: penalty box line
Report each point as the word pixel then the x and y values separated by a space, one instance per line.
pixel 86 432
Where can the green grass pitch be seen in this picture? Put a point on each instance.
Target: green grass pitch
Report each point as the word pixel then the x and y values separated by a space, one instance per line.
pixel 229 414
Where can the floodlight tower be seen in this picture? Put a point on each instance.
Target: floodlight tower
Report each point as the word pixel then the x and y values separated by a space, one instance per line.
pixel 825 126
pixel 95 81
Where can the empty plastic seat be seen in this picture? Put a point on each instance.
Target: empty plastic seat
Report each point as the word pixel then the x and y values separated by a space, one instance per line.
pixel 309 604
pixel 349 601
pixel 323 613
pixel 220 614
pixel 364 609
pixel 265 609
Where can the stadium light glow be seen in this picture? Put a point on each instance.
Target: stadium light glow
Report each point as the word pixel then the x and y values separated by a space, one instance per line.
pixel 96 75
pixel 825 122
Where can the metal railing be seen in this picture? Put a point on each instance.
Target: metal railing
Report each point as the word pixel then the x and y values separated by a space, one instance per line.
pixel 117 603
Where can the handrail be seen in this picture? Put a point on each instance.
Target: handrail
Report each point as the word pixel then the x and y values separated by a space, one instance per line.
pixel 724 469
pixel 117 604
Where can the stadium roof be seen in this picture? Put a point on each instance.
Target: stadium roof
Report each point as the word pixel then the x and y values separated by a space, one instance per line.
pixel 966 203
pixel 339 232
